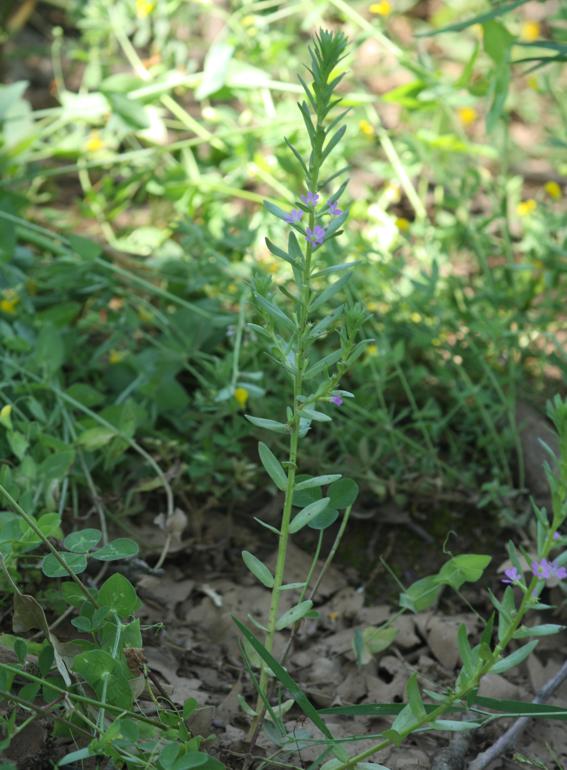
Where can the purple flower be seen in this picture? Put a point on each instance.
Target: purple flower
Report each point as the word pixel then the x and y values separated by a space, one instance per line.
pixel 294 216
pixel 556 536
pixel 334 209
pixel 336 400
pixel 542 569
pixel 310 199
pixel 512 575
pixel 545 570
pixel 315 236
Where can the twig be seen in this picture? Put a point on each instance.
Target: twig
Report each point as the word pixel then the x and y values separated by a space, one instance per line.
pixel 483 759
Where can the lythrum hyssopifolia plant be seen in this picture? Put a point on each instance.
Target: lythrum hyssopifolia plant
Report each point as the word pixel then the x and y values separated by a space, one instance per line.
pixel 292 330
pixel 291 338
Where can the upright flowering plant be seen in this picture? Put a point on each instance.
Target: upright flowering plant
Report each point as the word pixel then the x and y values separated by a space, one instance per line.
pixel 291 337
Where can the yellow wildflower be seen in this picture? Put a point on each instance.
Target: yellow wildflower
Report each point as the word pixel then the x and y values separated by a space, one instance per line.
pixel 366 128
pixel 530 31
pixel 416 317
pixel 383 8
pixel 372 350
pixel 241 397
pixel 553 189
pixel 116 356
pixel 9 301
pixel 533 83
pixel 144 8
pixel 402 224
pixel 525 208
pixel 467 115
pixel 5 413
pixel 94 143
pixel 248 21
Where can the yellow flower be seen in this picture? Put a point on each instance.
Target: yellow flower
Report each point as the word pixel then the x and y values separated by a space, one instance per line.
pixel 530 31
pixel 9 301
pixel 241 397
pixel 116 356
pixel 383 8
pixel 525 208
pixel 402 224
pixel 248 21
pixel 144 8
pixel 553 189
pixel 533 83
pixel 366 128
pixel 467 115
pixel 94 143
pixel 372 350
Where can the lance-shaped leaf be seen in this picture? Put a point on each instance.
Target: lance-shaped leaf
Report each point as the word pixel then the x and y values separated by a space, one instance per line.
pixel 297 155
pixel 275 313
pixel 258 569
pixel 333 141
pixel 277 252
pixel 317 481
pixel 272 466
pixel 517 657
pixel 329 292
pixel 272 425
pixel 276 211
pixel 307 514
pixel 324 363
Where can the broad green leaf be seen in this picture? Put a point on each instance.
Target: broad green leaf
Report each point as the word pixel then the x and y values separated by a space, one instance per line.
pixel 272 466
pixel 118 594
pixel 292 616
pixel 105 675
pixel 422 594
pixel 307 514
pixel 132 112
pixel 76 562
pixel 466 568
pixel 215 69
pixel 324 519
pixel 121 548
pixel 82 541
pixel 258 569
pixel 343 493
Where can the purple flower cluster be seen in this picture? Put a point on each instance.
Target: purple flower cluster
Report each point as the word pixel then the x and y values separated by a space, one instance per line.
pixel 316 235
pixel 541 569
pixel 545 569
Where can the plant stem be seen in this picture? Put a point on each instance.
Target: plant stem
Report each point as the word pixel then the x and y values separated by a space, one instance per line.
pixel 30 521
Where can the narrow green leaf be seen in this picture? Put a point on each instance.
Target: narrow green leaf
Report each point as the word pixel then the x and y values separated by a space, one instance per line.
pixel 258 569
pixel 517 657
pixel 272 466
pixel 271 425
pixel 292 616
pixel 286 680
pixel 329 292
pixel 317 481
pixel 308 513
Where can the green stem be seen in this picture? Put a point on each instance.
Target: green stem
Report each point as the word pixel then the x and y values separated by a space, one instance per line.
pixel 30 521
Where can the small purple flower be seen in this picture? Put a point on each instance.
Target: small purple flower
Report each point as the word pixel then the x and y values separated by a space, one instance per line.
pixel 542 569
pixel 336 400
pixel 294 216
pixel 556 536
pixel 310 199
pixel 315 236
pixel 545 570
pixel 334 209
pixel 512 576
